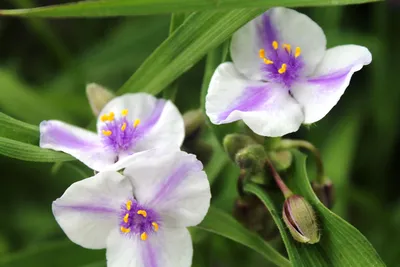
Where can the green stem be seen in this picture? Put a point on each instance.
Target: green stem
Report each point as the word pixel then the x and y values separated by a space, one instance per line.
pixel 240 182
pixel 271 142
pixel 281 184
pixel 288 144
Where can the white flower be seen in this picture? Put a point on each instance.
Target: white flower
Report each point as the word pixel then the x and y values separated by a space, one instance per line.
pixel 281 75
pixel 127 126
pixel 142 215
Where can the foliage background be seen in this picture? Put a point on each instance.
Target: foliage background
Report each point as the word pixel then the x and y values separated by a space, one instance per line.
pixel 45 65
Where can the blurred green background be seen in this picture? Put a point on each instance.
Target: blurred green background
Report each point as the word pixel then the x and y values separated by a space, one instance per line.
pixel 45 65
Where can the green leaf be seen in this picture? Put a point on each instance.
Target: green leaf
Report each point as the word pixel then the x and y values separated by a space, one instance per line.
pixel 339 149
pixel 341 244
pixel 176 20
pixel 220 223
pixel 19 100
pixel 219 160
pixel 106 8
pixel 28 152
pixel 18 130
pixel 199 33
pixel 60 254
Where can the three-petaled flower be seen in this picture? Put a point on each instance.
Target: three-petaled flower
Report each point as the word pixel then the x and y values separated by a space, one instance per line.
pixel 127 126
pixel 140 216
pixel 281 75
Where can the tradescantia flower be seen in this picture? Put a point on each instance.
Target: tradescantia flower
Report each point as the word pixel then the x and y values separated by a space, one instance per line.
pixel 127 126
pixel 140 216
pixel 281 75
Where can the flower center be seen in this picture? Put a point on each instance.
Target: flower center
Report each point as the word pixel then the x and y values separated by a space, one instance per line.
pixel 137 220
pixel 282 64
pixel 119 133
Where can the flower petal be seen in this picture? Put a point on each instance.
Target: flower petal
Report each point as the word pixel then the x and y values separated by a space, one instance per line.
pixel 266 108
pixel 161 123
pixel 286 26
pixel 89 209
pixel 173 184
pixel 168 248
pixel 320 93
pixel 130 159
pixel 79 143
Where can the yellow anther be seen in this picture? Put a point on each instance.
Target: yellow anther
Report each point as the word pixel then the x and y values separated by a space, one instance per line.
pixel 111 116
pixel 142 212
pixel 123 127
pixel 136 123
pixel 107 133
pixel 104 118
pixel 297 52
pixel 143 236
pixel 124 112
pixel 126 218
pixel 287 47
pixel 125 230
pixel 282 69
pixel 268 62
pixel 129 205
pixel 275 45
pixel 155 226
pixel 261 52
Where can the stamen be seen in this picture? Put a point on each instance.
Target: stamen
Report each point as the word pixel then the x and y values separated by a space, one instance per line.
pixel 287 47
pixel 282 69
pixel 124 112
pixel 297 52
pixel 111 116
pixel 104 118
pixel 123 127
pixel 268 62
pixel 107 133
pixel 142 212
pixel 275 45
pixel 155 226
pixel 126 218
pixel 261 52
pixel 125 230
pixel 129 205
pixel 136 123
pixel 143 236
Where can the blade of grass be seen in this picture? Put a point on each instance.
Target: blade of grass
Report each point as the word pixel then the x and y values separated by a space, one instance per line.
pixel 107 8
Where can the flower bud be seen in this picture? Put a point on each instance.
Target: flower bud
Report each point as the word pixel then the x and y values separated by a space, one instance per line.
pixel 300 218
pixel 235 142
pixel 251 158
pixel 325 192
pixel 281 160
pixel 98 97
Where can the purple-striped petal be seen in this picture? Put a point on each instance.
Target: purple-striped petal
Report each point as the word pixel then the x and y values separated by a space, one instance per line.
pixel 90 209
pixel 283 26
pixel 79 143
pixel 267 108
pixel 173 184
pixel 320 93
pixel 140 122
pixel 164 128
pixel 169 248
